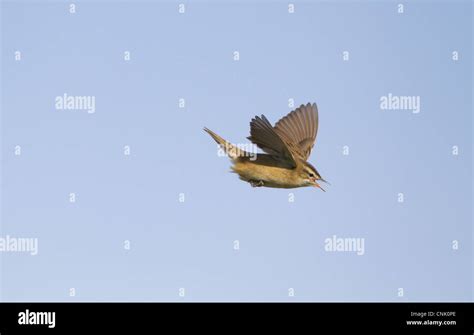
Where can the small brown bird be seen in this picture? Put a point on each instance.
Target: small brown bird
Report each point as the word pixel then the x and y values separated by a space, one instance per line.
pixel 287 146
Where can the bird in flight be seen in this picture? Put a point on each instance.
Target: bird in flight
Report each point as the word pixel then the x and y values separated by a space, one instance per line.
pixel 287 146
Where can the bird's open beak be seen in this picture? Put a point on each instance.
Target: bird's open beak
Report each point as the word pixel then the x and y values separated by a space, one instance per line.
pixel 317 185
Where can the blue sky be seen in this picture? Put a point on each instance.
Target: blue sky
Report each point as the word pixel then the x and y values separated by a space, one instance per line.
pixel 190 244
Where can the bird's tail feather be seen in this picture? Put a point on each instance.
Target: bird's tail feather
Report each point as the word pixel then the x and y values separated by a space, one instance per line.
pixel 230 149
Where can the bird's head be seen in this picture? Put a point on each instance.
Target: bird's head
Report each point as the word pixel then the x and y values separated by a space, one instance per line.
pixel 310 176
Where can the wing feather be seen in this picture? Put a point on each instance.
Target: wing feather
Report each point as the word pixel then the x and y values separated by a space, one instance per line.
pixel 299 129
pixel 266 138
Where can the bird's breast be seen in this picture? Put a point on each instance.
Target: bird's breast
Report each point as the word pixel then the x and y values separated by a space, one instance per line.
pixel 271 175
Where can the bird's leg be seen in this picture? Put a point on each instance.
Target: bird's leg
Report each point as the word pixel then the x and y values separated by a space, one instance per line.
pixel 256 183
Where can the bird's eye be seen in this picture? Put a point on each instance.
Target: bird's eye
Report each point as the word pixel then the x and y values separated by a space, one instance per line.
pixel 311 175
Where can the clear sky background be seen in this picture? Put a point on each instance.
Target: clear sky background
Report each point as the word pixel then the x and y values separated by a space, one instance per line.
pixel 190 244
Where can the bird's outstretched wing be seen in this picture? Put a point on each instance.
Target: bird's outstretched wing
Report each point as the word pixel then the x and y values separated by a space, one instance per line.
pixel 299 129
pixel 266 138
